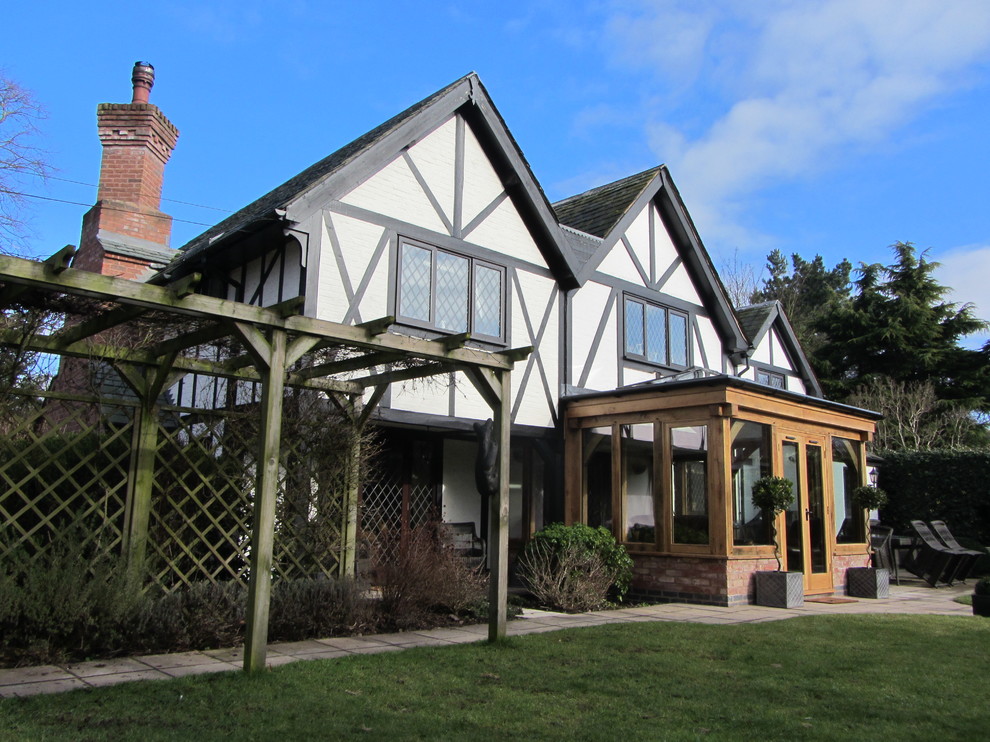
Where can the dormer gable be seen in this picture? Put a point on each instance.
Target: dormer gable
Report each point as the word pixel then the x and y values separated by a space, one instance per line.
pixel 776 353
pixel 638 230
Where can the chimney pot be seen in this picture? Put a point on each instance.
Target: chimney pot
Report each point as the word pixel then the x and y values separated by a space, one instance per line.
pixel 143 79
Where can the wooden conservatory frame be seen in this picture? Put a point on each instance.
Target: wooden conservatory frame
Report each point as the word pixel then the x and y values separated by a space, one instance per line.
pixel 720 570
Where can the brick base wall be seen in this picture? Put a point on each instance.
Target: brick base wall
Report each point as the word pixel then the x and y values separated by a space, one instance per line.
pixel 696 580
pixel 842 562
pixel 715 581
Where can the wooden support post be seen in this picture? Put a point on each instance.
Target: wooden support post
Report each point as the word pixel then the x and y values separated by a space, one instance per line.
pixel 147 384
pixel 498 522
pixel 352 491
pixel 263 521
pixel 140 482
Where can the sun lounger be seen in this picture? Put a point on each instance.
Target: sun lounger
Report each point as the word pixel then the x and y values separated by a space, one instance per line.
pixel 971 556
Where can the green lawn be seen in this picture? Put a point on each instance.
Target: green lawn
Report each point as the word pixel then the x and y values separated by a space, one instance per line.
pixel 850 677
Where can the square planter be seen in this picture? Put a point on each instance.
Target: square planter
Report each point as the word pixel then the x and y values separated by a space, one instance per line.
pixel 779 589
pixel 867 582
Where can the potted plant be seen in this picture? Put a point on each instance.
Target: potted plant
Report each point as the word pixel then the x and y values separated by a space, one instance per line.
pixel 868 582
pixel 981 596
pixel 780 589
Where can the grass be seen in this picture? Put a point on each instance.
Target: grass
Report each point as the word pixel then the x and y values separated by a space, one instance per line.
pixel 872 677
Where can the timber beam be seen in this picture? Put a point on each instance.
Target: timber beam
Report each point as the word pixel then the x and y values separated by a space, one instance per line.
pixel 132 293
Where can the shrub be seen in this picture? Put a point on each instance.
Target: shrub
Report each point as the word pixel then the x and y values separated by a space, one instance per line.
pixel 575 567
pixel 869 498
pixel 567 578
pixel 64 604
pixel 302 609
pixel 773 495
pixel 198 616
pixel 982 586
pixel 419 575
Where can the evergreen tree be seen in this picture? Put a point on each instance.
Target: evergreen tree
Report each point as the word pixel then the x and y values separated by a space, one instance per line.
pixel 898 325
pixel 808 292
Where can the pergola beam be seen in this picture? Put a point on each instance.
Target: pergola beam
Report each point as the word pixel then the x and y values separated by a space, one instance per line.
pixel 132 293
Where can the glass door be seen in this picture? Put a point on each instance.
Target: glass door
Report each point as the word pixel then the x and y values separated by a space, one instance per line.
pixel 805 538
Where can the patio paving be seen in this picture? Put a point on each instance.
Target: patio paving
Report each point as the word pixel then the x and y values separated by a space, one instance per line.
pixel 912 597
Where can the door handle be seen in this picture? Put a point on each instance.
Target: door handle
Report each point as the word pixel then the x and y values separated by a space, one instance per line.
pixel 807 514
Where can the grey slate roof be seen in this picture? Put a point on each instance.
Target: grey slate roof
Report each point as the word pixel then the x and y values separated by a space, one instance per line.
pixel 752 318
pixel 263 208
pixel 597 211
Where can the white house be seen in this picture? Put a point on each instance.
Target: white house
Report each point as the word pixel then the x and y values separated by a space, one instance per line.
pixel 648 404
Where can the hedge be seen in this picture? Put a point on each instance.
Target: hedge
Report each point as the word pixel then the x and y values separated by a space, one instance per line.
pixel 948 485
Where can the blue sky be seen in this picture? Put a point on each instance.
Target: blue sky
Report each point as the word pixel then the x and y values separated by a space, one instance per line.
pixel 832 127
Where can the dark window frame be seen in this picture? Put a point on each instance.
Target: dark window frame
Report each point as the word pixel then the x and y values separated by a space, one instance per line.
pixel 668 311
pixel 770 376
pixel 474 263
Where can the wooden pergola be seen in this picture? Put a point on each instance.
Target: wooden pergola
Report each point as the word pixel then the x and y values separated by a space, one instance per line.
pixel 276 340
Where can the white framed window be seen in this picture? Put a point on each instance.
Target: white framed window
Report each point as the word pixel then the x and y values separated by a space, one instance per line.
pixel 442 290
pixel 656 334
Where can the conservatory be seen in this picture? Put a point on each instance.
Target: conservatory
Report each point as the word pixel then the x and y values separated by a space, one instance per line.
pixel 668 468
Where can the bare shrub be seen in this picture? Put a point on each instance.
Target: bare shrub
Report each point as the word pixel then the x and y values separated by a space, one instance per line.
pixel 568 578
pixel 320 607
pixel 419 575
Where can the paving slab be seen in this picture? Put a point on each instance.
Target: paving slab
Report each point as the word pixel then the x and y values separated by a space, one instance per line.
pixel 350 642
pixel 179 659
pixel 39 673
pixel 211 667
pixel 47 686
pixel 99 681
pixel 97 668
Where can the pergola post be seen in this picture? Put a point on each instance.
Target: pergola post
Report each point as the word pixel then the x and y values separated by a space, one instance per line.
pixel 140 480
pixel 494 387
pixel 498 589
pixel 348 526
pixel 147 384
pixel 271 360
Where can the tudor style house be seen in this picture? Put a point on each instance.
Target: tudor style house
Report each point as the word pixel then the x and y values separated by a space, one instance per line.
pixel 649 404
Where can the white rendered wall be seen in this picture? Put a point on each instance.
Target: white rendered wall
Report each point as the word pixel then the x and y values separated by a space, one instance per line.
pixel 460 502
pixel 589 305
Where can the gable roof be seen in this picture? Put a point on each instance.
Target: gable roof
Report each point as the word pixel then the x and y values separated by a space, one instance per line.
pixel 598 210
pixel 756 321
pixel 349 165
pixel 602 214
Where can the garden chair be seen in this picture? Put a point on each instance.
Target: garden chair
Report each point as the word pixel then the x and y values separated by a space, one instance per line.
pixel 883 557
pixel 929 559
pixel 971 556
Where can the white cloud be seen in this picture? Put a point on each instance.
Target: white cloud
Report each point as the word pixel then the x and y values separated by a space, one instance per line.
pixel 965 270
pixel 800 83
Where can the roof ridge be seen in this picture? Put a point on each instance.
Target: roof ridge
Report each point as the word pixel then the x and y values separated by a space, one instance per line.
pixel 279 196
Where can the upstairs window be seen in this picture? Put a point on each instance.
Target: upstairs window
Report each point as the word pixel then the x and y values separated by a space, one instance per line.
pixel 770 378
pixel 656 334
pixel 444 291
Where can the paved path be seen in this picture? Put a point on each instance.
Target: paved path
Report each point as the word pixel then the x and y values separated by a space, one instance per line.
pixel 912 597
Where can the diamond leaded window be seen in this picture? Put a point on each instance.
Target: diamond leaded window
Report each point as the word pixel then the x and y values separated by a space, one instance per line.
pixel 655 334
pixel 442 290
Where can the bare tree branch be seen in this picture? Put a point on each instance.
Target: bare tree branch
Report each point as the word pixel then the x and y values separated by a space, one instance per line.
pixel 19 157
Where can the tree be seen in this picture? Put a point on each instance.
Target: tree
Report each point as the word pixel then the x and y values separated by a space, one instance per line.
pixel 915 419
pixel 807 293
pixel 19 114
pixel 899 326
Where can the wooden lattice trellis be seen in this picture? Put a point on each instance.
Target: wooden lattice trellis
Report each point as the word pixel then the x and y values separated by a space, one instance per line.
pixel 205 510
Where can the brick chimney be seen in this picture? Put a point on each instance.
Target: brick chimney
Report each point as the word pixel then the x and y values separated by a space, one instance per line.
pixel 125 234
